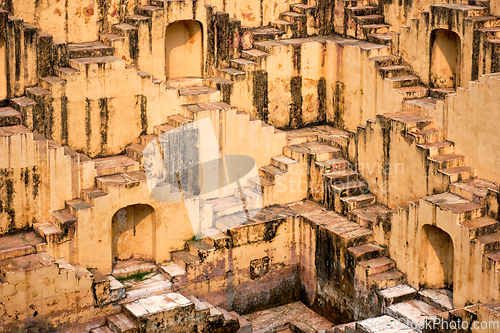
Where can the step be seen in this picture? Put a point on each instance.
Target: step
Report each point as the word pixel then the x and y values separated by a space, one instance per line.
pixel 200 308
pixel 83 64
pixel 201 94
pixel 156 285
pixel 475 189
pixel 489 242
pixel 411 121
pixel 481 226
pixel 136 20
pixel 102 329
pixel 47 231
pixel 340 177
pixel 232 74
pixel 302 8
pixel 270 172
pixel 226 206
pixel 184 259
pixel 186 82
pixel 460 173
pixel 216 238
pixel 290 29
pixel 427 135
pixel 266 33
pixel 90 195
pixel 175 273
pixel 115 164
pixel 414 312
pixel 176 121
pixel 19 244
pixel 14 270
pixel 351 203
pixel 367 251
pixel 155 308
pixel 370 216
pixel 375 28
pixel 377 265
pixel 445 161
pixel 333 165
pixel 423 106
pixel 282 162
pixel 441 299
pixel 255 55
pixel 66 222
pixel 164 128
pixel 383 324
pixel 362 10
pixel 438 147
pixel 397 294
pixel 386 279
pixel 413 92
pixel 381 38
pixel 127 268
pixel 403 81
pixel 123 29
pixel 9 117
pixel 120 323
pixel 367 20
pixel 464 209
pixel 243 64
pixel 442 93
pixel 388 60
pixel 350 188
pixel 294 17
pixel 200 249
pixel 316 150
pixel 89 50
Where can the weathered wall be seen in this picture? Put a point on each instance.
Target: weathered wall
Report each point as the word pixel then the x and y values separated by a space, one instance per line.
pixel 470 123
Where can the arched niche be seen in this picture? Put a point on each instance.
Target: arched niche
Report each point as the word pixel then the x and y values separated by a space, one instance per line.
pixel 445 59
pixel 133 233
pixel 437 259
pixel 184 49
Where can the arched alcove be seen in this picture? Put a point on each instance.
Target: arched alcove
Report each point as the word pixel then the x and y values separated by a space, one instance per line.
pixel 184 49
pixel 445 59
pixel 133 233
pixel 436 259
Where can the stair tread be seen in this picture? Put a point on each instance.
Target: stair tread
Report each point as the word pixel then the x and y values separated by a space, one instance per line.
pixel 244 62
pixel 185 256
pixel 388 275
pixel 441 298
pixel 453 202
pixel 232 71
pixel 445 157
pixel 457 170
pixel 88 46
pixel 283 22
pixel 357 198
pixel 122 322
pixel 267 31
pixel 114 162
pixel 26 262
pixel 436 144
pixel 25 242
pixel 271 169
pixel 350 185
pixel 407 117
pixel 415 310
pixel 256 53
pixel 402 78
pixel 360 249
pixel 374 16
pixel 488 238
pixel 384 35
pixel 477 186
pixel 339 174
pixel 189 91
pixel 63 216
pixel 376 262
pixel 480 222
pixel 397 291
pixel 294 14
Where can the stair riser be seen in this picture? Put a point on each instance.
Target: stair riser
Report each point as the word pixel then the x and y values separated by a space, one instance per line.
pixel 382 252
pixel 440 150
pixel 450 163
pixel 340 179
pixel 375 270
pixel 405 83
pixel 388 62
pixel 347 207
pixel 394 72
